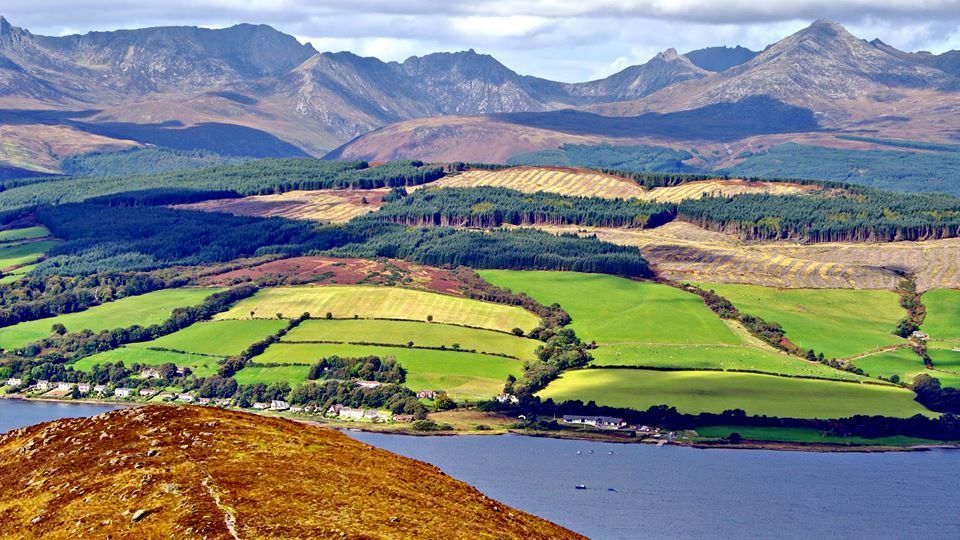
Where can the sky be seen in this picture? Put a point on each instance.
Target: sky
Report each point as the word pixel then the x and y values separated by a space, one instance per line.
pixel 565 40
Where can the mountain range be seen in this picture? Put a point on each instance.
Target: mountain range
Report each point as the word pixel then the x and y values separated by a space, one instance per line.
pixel 254 91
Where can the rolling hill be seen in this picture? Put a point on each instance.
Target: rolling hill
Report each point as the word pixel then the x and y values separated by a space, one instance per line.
pixel 191 471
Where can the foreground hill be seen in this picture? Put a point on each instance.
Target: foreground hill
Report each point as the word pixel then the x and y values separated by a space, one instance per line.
pixel 200 472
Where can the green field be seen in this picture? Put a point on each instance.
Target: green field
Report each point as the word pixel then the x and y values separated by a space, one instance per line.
pixel 944 356
pixel 803 435
pixel 26 253
pixel 29 233
pixel 146 309
pixel 646 324
pixel 706 391
pixel 220 338
pixel 381 303
pixel 714 357
pixel 904 363
pixel 202 366
pixel 292 375
pixel 610 309
pixel 420 333
pixel 943 313
pixel 463 375
pixel 837 322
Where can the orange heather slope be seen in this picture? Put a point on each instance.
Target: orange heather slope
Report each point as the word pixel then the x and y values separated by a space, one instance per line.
pixel 192 472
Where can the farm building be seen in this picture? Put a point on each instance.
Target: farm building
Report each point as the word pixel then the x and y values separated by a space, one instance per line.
pixel 605 422
pixel 150 373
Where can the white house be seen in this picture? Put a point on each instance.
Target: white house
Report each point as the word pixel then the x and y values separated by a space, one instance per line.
pixel 147 392
pixel 261 406
pixel 100 389
pixel 605 422
pixel 279 405
pixel 123 393
pixel 368 384
pixel 150 373
pixel 346 412
pixel 204 401
pixel 14 381
pixel 428 394
pixel 186 398
pixel 83 387
pixel 507 398
pixel 43 386
pixel 65 387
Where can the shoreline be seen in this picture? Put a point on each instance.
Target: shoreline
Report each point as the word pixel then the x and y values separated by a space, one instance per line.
pixel 589 436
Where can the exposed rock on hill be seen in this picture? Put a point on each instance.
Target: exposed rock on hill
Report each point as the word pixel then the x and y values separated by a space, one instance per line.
pixel 191 472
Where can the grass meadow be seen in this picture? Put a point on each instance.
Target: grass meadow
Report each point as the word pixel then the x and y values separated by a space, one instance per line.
pixel 381 302
pixel 837 322
pixel 220 338
pixel 709 391
pixel 202 366
pixel 463 375
pixel 420 333
pixel 943 314
pixel 146 309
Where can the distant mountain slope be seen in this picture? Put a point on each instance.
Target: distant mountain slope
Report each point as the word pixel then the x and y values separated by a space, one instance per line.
pixel 820 78
pixel 634 82
pixel 162 471
pixel 720 58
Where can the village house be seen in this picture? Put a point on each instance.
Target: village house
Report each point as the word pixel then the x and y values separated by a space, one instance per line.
pixel 100 389
pixel 64 387
pixel 147 392
pixel 204 401
pixel 279 405
pixel 919 336
pixel 221 402
pixel 428 394
pixel 83 388
pixel 261 406
pixel 345 412
pixel 403 418
pixel 123 393
pixel 604 422
pixel 150 373
pixel 14 381
pixel 186 398
pixel 168 396
pixel 369 384
pixel 375 415
pixel 507 398
pixel 296 409
pixel 43 386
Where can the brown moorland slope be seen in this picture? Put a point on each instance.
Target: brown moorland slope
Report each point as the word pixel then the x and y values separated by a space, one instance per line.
pixel 191 472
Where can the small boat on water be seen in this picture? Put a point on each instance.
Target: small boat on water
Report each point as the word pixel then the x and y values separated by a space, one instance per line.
pixel 612 490
pixel 580 486
pixel 578 452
